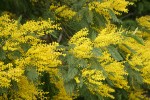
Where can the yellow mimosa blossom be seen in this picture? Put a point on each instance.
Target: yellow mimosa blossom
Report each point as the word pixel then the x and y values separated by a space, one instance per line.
pixel 103 7
pixel 115 70
pixel 103 89
pixel 144 21
pixel 25 49
pixel 39 27
pixel 116 74
pixel 106 58
pixel 26 90
pixel 137 95
pixel 140 61
pixel 93 76
pixel 8 73
pixel 93 79
pixel 63 11
pixel 82 44
pixel 77 79
pixel 107 36
pixel 42 56
pixel 62 94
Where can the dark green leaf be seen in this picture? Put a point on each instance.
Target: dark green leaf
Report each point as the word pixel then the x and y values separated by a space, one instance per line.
pixel 19 21
pixel 2 55
pixel 138 39
pixel 89 17
pixel 97 52
pixel 82 63
pixel 31 74
pixel 70 86
pixel 133 51
pixel 3 90
pixel 115 53
pixel 114 17
pixel 54 35
pixel 72 72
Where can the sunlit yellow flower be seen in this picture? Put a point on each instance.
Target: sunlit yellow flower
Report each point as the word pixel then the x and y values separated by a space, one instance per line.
pixel 107 36
pixel 82 44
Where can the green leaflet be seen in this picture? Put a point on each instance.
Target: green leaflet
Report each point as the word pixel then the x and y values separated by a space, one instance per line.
pixel 99 20
pixel 86 94
pixel 97 52
pixel 31 74
pixel 78 4
pixel 19 21
pixel 135 37
pixel 2 54
pixel 3 90
pixel 89 17
pixel 115 53
pixel 138 39
pixel 70 86
pixel 82 63
pixel 72 72
pixel 70 59
pixel 14 85
pixel 92 35
pixel 114 17
pixel 133 51
pixel 16 54
pixel 134 78
pixel 25 46
pixel 55 34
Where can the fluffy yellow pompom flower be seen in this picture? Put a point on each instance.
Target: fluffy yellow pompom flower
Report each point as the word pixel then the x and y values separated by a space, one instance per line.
pixel 103 89
pixel 8 73
pixel 107 36
pixel 144 21
pixel 115 70
pixel 93 79
pixel 116 74
pixel 26 90
pixel 82 44
pixel 42 56
pixel 103 7
pixel 93 76
pixel 63 11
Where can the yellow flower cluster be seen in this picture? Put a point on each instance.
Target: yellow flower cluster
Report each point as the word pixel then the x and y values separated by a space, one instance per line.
pixel 107 36
pixel 101 8
pixel 144 55
pixel 26 90
pixel 140 61
pixel 62 94
pixel 134 61
pixel 144 21
pixel 8 73
pixel 34 54
pixel 63 11
pixel 137 95
pixel 105 59
pixel 39 27
pixel 93 76
pixel 82 44
pixel 42 56
pixel 94 82
pixel 117 6
pixel 116 74
pixel 26 33
pixel 103 89
pixel 7 25
pixel 115 70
